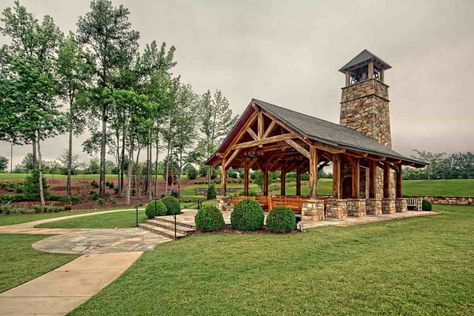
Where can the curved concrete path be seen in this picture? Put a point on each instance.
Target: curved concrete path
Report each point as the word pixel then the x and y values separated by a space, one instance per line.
pixel 106 254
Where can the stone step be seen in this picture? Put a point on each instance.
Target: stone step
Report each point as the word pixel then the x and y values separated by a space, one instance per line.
pixel 168 219
pixel 161 231
pixel 170 226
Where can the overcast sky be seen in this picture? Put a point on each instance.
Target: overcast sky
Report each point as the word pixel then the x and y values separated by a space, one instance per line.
pixel 288 53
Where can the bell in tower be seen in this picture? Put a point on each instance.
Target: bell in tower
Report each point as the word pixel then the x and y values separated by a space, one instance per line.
pixel 364 101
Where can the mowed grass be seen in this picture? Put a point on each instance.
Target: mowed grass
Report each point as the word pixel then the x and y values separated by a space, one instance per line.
pixel 409 266
pixel 20 263
pixel 123 219
pixel 23 218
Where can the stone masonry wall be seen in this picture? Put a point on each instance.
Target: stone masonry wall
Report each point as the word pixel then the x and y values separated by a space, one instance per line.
pixel 365 108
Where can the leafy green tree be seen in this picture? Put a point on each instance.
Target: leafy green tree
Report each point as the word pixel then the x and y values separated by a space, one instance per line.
pixel 3 163
pixel 106 32
pixel 216 122
pixel 32 88
pixel 434 161
pixel 74 72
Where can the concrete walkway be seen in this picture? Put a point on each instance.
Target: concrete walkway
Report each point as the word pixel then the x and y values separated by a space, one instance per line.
pixel 60 291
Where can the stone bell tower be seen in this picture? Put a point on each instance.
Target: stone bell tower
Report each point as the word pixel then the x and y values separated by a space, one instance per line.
pixel 365 108
pixel 364 102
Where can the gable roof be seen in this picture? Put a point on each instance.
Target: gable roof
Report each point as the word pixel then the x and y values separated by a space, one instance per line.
pixel 363 57
pixel 321 131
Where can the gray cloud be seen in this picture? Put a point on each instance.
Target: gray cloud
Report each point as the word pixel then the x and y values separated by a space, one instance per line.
pixel 288 53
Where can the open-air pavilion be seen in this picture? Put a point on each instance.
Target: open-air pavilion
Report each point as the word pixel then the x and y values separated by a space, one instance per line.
pixel 367 175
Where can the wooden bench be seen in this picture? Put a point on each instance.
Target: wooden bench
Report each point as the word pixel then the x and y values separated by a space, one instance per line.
pixel 415 203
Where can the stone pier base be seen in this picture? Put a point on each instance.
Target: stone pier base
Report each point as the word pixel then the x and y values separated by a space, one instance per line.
pixel 401 205
pixel 312 210
pixel 356 207
pixel 373 206
pixel 388 206
pixel 223 203
pixel 336 208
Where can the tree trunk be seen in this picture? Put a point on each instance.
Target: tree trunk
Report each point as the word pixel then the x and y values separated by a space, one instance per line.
pixel 69 156
pixel 129 174
pixel 168 158
pixel 119 164
pixel 103 143
pixel 40 175
pixel 35 160
pixel 156 166
pixel 149 173
pixel 135 176
pixel 122 167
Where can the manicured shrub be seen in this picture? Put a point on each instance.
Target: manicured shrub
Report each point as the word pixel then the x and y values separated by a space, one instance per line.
pixel 172 205
pixel 47 208
pixel 247 215
pixel 211 192
pixel 233 174
pixel 94 184
pixel 191 172
pixel 426 205
pixel 209 218
pixel 155 208
pixel 281 220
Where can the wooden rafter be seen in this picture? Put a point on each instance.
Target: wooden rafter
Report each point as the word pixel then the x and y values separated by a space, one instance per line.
pixel 260 125
pixel 268 140
pixel 252 133
pixel 298 147
pixel 229 161
pixel 269 129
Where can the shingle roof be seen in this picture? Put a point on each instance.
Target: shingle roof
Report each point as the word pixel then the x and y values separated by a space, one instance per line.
pixel 330 133
pixel 364 56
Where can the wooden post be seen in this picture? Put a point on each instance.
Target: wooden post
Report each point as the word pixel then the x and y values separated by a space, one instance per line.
pixel 246 178
pixel 398 188
pixel 386 181
pixel 355 178
pixel 348 79
pixel 372 179
pixel 381 76
pixel 265 180
pixel 336 176
pixel 223 178
pixel 313 171
pixel 298 181
pixel 283 180
pixel 370 69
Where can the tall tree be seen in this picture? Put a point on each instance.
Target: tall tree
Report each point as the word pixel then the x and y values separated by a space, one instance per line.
pixel 73 70
pixel 31 56
pixel 106 32
pixel 216 122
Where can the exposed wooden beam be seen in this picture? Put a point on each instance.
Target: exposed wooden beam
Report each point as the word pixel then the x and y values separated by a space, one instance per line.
pixel 298 147
pixel 336 176
pixel 372 179
pixel 355 179
pixel 260 125
pixel 386 181
pixel 252 133
pixel 229 160
pixel 269 129
pixel 264 141
pixel 313 171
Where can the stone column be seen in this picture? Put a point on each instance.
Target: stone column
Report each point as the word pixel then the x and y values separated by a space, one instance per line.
pixel 356 207
pixel 337 208
pixel 388 206
pixel 401 205
pixel 313 210
pixel 373 206
pixel 223 203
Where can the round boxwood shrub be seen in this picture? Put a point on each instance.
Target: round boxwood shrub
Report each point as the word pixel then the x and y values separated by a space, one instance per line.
pixel 155 208
pixel 247 215
pixel 281 220
pixel 209 219
pixel 426 205
pixel 172 205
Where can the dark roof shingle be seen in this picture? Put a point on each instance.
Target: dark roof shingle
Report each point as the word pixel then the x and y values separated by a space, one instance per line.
pixel 364 56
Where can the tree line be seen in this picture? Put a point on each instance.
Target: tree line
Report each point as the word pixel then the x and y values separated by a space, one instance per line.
pixel 98 79
pixel 442 166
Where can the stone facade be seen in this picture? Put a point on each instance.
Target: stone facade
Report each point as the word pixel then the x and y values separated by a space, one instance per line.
pixel 401 205
pixel 336 208
pixel 373 206
pixel 312 210
pixel 388 206
pixel 365 108
pixel 356 207
pixel 453 200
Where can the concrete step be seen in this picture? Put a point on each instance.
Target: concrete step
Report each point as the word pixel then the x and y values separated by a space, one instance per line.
pixel 171 220
pixel 161 231
pixel 170 226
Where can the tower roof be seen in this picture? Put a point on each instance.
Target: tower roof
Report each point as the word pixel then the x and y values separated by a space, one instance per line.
pixel 363 58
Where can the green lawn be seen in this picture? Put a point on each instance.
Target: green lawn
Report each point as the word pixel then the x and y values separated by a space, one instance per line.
pixel 451 187
pixel 19 262
pixel 408 266
pixel 110 220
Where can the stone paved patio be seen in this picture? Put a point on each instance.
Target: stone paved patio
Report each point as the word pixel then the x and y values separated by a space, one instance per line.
pixel 101 241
